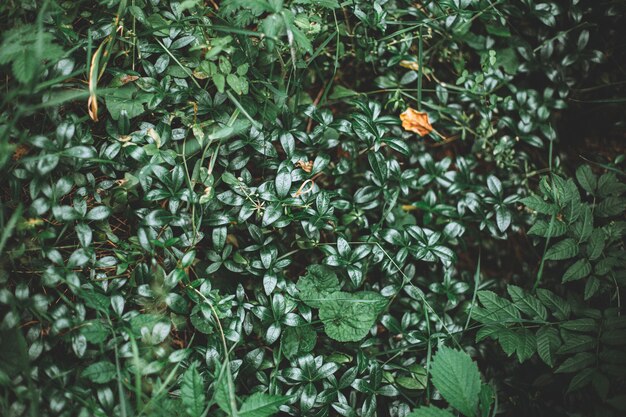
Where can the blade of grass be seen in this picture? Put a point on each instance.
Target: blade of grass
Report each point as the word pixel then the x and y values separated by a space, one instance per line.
pixel 7 231
pixel 476 282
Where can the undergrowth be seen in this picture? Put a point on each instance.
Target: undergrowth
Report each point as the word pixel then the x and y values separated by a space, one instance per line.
pixel 312 208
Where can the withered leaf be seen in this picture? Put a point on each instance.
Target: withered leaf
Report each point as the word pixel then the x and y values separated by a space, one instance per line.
pixel 416 121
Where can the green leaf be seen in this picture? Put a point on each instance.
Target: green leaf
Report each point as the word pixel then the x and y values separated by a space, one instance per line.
pixel 271 214
pixel 125 98
pixel 548 341
pixel 565 249
pixel 28 47
pixel 298 340
pixel 47 163
pixel 348 317
pixel 301 39
pixel 317 284
pixel 526 303
pixel 526 345
pixel 596 244
pixel 261 405
pixel 83 152
pixel 430 411
pixel 503 218
pixel 579 269
pixel 100 372
pixel 495 309
pixel 457 378
pixel 536 203
pixel 220 82
pixel 546 229
pixel 580 380
pixel 223 391
pixel 494 185
pixel 192 391
pixel 379 166
pixel 559 307
pixel 98 213
pixel 487 398
pixel 575 343
pixel 587 179
pixel 329 4
pixel 283 182
pixel 611 206
pixel 577 362
pixel 238 84
pixel 509 340
pixel 580 325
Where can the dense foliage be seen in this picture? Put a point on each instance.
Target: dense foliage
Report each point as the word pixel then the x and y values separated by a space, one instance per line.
pixel 214 208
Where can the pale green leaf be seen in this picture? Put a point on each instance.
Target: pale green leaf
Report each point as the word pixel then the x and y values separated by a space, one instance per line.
pixel 261 405
pixel 457 378
pixel 348 317
pixel 192 392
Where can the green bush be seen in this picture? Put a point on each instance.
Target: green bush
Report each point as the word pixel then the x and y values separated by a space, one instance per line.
pixel 214 208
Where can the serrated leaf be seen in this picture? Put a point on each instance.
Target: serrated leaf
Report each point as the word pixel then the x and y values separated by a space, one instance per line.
pixel 526 303
pixel 548 341
pixel 596 244
pixel 526 346
pixel 579 269
pixel 317 284
pixel 192 392
pixel 496 309
pixel 548 229
pixel 587 179
pixel 536 203
pixel 457 378
pixel 261 405
pixel 565 249
pixel 559 307
pixel 509 340
pixel 580 380
pixel 577 343
pixel 577 362
pixel 580 325
pixel 223 389
pixel 611 206
pixel 348 317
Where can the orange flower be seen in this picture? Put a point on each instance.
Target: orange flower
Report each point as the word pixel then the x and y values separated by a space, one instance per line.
pixel 416 121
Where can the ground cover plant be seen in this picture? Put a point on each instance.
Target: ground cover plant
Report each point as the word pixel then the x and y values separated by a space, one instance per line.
pixel 312 208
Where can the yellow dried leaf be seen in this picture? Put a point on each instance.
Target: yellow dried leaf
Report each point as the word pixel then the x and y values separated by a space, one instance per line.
pixel 125 79
pixel 412 65
pixel 416 121
pixel 303 190
pixel 306 166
